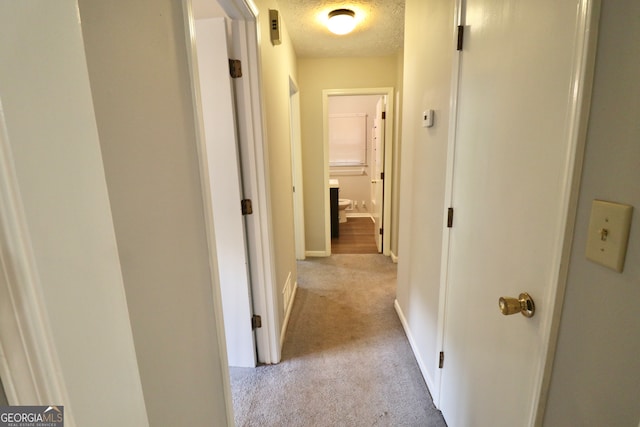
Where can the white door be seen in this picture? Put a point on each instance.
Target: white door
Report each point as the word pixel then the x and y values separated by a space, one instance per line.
pixel 225 185
pixel 377 180
pixel 296 170
pixel 511 183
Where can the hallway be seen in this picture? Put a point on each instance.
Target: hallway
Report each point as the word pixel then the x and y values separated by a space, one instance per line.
pixel 346 360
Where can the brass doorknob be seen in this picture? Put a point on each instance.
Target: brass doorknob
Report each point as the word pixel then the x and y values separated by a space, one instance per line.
pixel 523 304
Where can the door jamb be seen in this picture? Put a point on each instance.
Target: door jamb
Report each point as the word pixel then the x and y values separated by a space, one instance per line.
pixel 582 79
pixel 582 83
pixel 190 30
pixel 458 19
pixel 388 160
pixel 31 372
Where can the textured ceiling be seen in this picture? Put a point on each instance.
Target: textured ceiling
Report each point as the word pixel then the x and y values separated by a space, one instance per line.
pixel 379 32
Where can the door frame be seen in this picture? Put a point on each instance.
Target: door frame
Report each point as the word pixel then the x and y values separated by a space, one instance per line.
pixel 31 372
pixel 388 92
pixel 588 13
pixel 243 18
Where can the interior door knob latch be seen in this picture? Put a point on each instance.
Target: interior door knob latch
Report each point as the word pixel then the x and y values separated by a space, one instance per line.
pixel 523 304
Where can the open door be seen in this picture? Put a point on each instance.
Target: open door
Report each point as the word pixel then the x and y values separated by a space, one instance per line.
pixel 296 169
pixel 225 183
pixel 377 174
pixel 517 143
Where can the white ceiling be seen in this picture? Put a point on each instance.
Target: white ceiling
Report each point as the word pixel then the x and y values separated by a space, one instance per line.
pixel 380 31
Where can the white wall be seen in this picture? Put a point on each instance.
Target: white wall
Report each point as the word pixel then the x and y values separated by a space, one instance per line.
pixel 278 63
pixel 316 75
pixel 596 374
pixel 140 79
pixel 427 75
pixel 356 188
pixel 45 94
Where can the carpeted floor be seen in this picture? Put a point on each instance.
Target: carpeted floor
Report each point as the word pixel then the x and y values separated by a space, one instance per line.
pixel 346 360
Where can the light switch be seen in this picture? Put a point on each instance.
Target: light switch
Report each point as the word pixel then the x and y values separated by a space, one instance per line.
pixel 608 233
pixel 427 118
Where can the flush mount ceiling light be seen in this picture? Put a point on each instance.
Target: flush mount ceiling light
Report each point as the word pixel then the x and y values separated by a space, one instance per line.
pixel 341 21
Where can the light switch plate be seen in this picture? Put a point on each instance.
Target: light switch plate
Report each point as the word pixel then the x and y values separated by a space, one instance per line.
pixel 427 118
pixel 608 233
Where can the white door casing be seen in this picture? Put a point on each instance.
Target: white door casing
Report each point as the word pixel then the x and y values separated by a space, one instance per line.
pixel 29 364
pixel 522 91
pixel 377 180
pixel 225 186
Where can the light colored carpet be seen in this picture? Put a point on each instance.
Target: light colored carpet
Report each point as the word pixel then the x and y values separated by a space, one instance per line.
pixel 346 360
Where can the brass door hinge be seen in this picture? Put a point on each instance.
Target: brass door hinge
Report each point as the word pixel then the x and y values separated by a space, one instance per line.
pixel 460 37
pixel 235 68
pixel 246 206
pixel 256 322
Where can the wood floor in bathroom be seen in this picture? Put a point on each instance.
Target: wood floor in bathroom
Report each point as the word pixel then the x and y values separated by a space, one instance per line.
pixel 356 237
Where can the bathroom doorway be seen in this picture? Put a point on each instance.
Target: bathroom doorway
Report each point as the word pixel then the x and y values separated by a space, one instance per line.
pixel 358 160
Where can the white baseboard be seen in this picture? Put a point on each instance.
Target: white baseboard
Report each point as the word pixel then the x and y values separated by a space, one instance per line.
pixel 425 374
pixel 317 254
pixel 285 324
pixel 394 258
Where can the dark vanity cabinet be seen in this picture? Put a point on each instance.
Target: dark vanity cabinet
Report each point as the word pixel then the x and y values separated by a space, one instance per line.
pixel 335 220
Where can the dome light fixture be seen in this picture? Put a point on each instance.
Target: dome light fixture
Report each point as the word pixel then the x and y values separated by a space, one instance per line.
pixel 341 21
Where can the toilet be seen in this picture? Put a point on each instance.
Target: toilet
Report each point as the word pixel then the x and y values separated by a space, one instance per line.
pixel 343 204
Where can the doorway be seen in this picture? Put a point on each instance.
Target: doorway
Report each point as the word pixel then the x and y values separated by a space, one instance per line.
pixel 363 181
pixel 355 161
